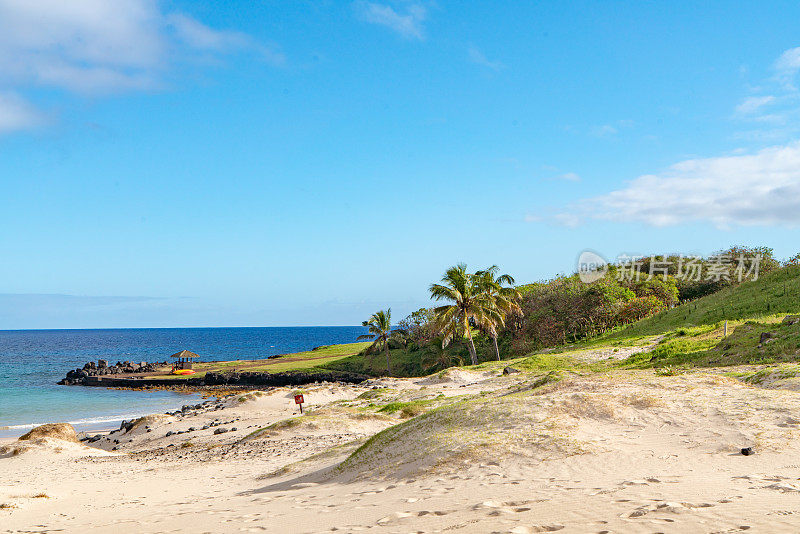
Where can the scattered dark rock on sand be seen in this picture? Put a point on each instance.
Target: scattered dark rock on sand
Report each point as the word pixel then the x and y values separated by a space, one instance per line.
pixel 220 430
pixel 747 451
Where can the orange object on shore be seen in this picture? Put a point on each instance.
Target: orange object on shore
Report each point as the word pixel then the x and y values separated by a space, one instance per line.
pixel 183 372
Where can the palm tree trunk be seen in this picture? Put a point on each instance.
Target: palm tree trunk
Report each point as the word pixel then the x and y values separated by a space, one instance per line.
pixel 388 365
pixel 496 348
pixel 473 355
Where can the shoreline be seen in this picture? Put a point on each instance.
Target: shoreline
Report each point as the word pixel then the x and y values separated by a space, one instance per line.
pixel 94 422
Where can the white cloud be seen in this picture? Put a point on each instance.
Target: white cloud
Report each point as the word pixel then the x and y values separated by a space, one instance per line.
pixel 605 130
pixel 611 129
pixel 54 43
pixel 407 24
pixel 201 37
pixel 570 177
pixel 478 57
pixel 753 103
pixel 754 189
pixel 789 62
pixel 98 47
pixel 773 108
pixel 16 114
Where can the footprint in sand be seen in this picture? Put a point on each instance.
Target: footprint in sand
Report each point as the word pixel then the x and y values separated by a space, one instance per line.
pixel 535 528
pixel 784 487
pixel 665 507
pixel 394 517
pixel 436 513
pixel 496 508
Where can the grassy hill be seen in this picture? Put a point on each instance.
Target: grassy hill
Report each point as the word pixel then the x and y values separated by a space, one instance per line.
pixel 693 334
pixel 775 293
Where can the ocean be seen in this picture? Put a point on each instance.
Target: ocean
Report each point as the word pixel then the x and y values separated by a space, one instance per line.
pixel 32 361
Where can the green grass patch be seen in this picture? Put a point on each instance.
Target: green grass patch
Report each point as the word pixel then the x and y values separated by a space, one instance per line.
pixel 705 346
pixel 376 393
pixel 407 409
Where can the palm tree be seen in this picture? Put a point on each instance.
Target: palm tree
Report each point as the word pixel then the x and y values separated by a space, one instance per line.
pixel 468 303
pixel 380 329
pixel 504 300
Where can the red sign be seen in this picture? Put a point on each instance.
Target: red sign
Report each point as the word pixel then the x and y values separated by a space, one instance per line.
pixel 298 399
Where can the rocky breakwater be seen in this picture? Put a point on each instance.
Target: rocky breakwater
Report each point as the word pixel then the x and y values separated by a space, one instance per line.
pixel 77 377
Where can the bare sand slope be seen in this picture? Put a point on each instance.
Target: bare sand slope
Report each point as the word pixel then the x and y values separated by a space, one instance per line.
pixel 629 452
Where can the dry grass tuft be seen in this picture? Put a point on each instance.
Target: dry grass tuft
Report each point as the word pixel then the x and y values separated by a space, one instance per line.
pixel 580 405
pixel 62 431
pixel 641 401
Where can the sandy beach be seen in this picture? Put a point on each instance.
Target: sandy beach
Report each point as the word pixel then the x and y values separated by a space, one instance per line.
pixel 625 452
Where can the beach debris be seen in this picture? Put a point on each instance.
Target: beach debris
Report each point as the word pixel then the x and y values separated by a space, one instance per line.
pixel 747 451
pixel 510 370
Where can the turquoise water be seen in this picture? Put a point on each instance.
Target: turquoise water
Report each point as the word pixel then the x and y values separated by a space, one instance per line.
pixel 32 361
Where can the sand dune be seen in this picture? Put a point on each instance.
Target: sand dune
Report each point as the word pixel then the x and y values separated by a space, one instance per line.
pixel 626 452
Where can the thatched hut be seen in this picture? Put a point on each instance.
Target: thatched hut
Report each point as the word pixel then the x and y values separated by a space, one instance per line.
pixel 184 359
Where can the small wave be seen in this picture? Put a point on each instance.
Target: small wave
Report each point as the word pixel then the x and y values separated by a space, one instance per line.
pixel 80 422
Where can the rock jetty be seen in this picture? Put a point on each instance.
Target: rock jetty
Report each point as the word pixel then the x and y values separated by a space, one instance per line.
pixel 77 377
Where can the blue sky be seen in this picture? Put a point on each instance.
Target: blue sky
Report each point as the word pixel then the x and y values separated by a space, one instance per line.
pixel 303 163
